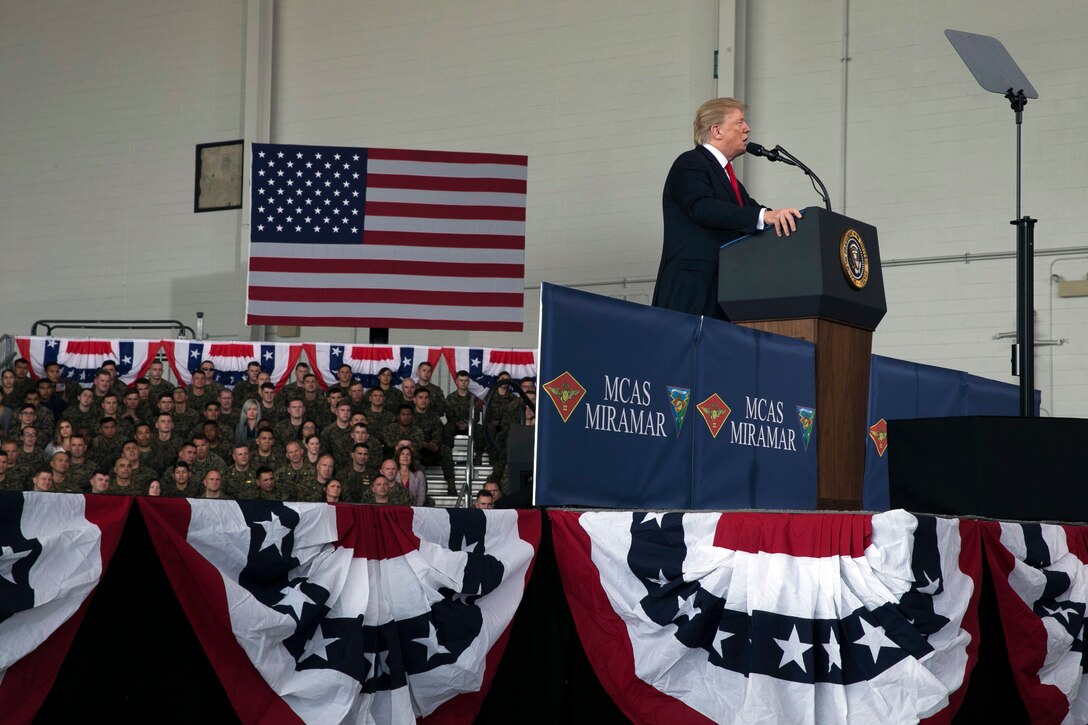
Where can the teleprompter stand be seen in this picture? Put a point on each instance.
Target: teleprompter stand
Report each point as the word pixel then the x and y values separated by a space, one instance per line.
pixel 997 72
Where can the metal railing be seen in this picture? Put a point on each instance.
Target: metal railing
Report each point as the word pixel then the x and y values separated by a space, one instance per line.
pixel 180 328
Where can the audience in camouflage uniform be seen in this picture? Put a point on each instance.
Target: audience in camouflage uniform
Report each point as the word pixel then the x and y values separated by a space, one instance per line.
pixel 301 444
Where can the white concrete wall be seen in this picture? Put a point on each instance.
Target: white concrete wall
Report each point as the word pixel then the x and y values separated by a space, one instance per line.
pixel 930 160
pixel 101 106
pixel 105 100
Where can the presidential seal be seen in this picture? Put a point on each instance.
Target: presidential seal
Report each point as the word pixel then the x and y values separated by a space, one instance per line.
pixel 854 258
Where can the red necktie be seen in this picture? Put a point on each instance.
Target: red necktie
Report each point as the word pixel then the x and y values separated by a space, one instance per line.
pixel 733 181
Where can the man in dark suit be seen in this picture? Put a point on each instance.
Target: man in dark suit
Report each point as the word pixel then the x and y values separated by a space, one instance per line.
pixel 704 206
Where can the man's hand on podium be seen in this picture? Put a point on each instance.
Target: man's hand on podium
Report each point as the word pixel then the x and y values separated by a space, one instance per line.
pixel 782 220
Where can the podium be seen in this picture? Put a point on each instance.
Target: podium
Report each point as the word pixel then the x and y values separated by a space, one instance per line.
pixel 823 284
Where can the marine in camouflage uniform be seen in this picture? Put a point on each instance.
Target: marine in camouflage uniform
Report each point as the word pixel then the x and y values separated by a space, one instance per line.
pixel 355 486
pixel 355 480
pixel 505 409
pixel 61 464
pixel 298 484
pixel 185 422
pixel 34 461
pixel 80 418
pixel 459 408
pixel 380 418
pixel 18 477
pixel 239 484
pixel 124 484
pixel 431 425
pixel 273 459
pixel 7 481
pixel 423 382
pixel 81 473
pixel 44 422
pixel 338 442
pixel 269 492
pixel 286 431
pixel 211 462
pixel 398 496
pixel 404 429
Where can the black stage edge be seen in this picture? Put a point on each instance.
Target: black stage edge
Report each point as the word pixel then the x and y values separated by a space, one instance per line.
pixel 1026 469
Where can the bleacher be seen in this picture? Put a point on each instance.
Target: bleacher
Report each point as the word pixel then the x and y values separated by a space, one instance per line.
pixel 436 485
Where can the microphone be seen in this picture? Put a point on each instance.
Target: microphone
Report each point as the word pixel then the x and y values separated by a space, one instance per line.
pixel 780 154
pixel 756 149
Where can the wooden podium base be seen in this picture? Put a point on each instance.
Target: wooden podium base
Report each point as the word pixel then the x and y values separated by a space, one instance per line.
pixel 842 398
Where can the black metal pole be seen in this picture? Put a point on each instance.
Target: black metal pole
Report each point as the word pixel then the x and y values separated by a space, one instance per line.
pixel 1025 278
pixel 1025 312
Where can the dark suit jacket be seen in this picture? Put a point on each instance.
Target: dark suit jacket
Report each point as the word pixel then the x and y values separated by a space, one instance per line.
pixel 701 213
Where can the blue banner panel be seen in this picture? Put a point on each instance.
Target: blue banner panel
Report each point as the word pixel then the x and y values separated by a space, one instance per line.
pixel 614 421
pixel 989 397
pixel 901 389
pixel 754 420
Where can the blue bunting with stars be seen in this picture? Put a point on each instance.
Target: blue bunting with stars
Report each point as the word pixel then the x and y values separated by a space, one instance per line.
pixel 764 617
pixel 348 613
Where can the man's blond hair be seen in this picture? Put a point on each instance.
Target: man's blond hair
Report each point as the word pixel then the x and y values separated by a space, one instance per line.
pixel 714 112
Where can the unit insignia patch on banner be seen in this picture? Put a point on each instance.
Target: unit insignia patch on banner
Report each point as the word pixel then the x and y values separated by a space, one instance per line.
pixel 566 393
pixel 715 412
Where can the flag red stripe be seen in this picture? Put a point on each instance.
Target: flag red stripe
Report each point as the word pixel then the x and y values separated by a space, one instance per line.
pixel 395 296
pixel 818 535
pixel 370 353
pixel 236 349
pixel 446 183
pixel 383 266
pixel 455 241
pixel 376 532
pixel 88 347
pixel 400 323
pixel 513 357
pixel 445 211
pixel 447 157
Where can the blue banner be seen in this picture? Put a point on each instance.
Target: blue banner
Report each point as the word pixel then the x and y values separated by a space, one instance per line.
pixel 903 390
pixel 608 428
pixel 760 452
pixel 648 408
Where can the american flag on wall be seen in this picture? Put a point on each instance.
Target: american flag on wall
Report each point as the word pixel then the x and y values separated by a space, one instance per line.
pixel 357 237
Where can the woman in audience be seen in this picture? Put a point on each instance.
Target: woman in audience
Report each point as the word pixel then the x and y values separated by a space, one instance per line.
pixel 313 449
pixel 307 429
pixel 393 397
pixel 62 438
pixel 332 491
pixel 247 421
pixel 410 475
